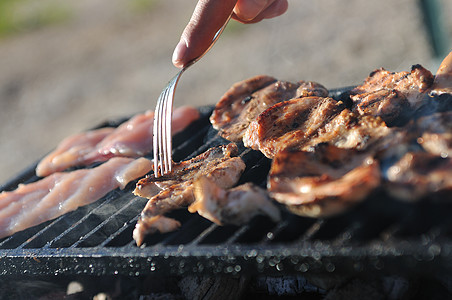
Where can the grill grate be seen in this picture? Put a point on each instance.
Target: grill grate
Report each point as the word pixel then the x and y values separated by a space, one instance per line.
pixel 378 236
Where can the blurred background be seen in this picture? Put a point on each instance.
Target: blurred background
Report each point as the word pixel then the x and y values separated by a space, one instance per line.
pixel 67 66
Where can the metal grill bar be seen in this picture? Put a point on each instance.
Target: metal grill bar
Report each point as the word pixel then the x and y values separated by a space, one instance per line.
pixel 312 230
pixel 84 240
pixel 55 242
pixel 110 241
pixel 203 234
pixel 40 235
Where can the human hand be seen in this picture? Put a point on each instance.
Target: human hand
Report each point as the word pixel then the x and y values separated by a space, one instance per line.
pixel 210 15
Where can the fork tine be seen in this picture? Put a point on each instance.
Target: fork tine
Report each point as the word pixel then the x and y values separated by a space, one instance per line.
pixel 154 136
pixel 163 132
pixel 161 136
pixel 157 137
pixel 168 161
pixel 162 129
pixel 166 132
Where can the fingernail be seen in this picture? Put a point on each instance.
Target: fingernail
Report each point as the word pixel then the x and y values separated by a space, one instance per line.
pixel 249 10
pixel 179 53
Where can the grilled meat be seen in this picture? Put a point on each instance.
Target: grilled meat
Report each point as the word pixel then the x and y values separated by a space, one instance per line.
pixel 412 85
pixel 43 200
pixel 390 105
pixel 420 174
pixel 290 124
pixel 303 123
pixel 245 100
pixel 392 96
pixel 310 89
pixel 351 131
pixel 220 162
pixel 175 190
pixel 154 224
pixel 235 206
pixel 131 139
pixel 237 106
pixel 442 83
pixel 323 182
pixel 436 133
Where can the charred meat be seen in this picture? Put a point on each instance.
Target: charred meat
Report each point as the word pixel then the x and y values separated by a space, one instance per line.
pixel 245 100
pixel 394 96
pixel 436 133
pixel 390 105
pixel 350 131
pixel 420 174
pixel 175 190
pixel 290 124
pixel 412 84
pixel 442 83
pixel 323 182
pixel 303 123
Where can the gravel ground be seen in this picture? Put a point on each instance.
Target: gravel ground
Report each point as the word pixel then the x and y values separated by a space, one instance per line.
pixel 110 61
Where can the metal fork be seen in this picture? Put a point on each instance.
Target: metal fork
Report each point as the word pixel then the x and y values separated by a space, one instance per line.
pixel 162 139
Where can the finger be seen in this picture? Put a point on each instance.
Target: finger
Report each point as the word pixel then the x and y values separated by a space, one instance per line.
pixel 273 9
pixel 247 10
pixel 207 19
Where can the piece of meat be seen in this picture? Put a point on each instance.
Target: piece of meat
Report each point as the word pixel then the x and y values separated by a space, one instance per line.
pixel 419 174
pixel 214 162
pixel 131 139
pixel 324 182
pixel 71 151
pixel 245 100
pixel 377 80
pixel 43 200
pixel 290 124
pixel 155 224
pixel 175 190
pixel 442 84
pixel 350 131
pixel 235 206
pixel 134 138
pixel 303 123
pixel 390 105
pixel 412 85
pixel 310 89
pixel 228 116
pixel 436 133
pixel 392 96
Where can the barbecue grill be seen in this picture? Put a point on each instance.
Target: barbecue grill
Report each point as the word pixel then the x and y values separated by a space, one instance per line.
pixel 380 236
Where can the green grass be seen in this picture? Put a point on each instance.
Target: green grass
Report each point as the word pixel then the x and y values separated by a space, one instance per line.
pixel 18 16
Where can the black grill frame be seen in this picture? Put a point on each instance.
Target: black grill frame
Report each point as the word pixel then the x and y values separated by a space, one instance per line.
pixel 379 236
